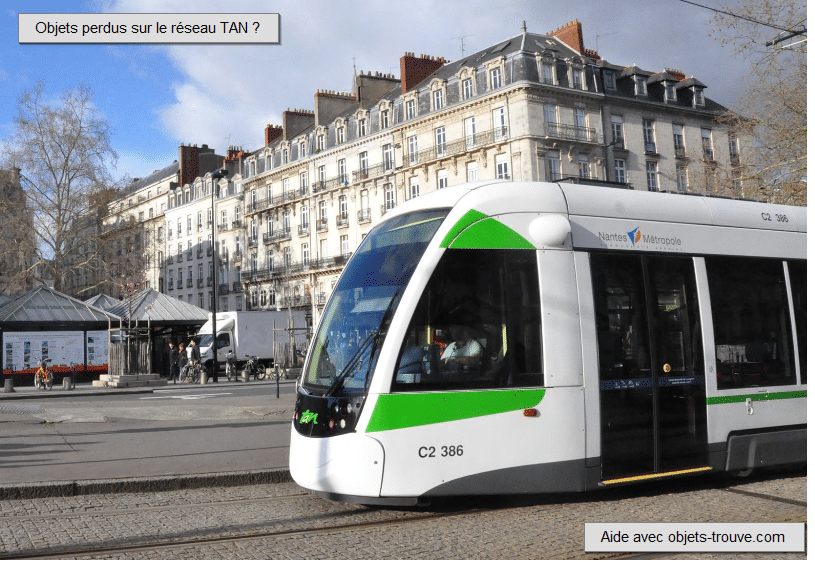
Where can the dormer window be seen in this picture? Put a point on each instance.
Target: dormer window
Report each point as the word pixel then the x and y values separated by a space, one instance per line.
pixel 285 155
pixel 495 78
pixel 547 74
pixel 410 109
pixel 438 99
pixel 385 118
pixel 467 89
pixel 302 149
pixel 670 91
pixel 321 141
pixel 362 128
pixel 609 80
pixel 340 134
pixel 640 85
pixel 577 78
pixel 698 97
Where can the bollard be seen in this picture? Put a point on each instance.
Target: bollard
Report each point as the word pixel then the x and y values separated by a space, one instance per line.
pixel 245 375
pixel 68 383
pixel 8 385
pixel 203 377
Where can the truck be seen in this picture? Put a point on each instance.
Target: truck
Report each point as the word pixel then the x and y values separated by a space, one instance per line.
pixel 262 333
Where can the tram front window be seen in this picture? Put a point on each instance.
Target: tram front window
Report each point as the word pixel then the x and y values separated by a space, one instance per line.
pixel 477 325
pixel 362 306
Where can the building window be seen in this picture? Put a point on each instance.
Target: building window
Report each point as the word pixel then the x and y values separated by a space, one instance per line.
pixel 577 78
pixel 472 171
pixel 385 118
pixel 679 140
pixel 343 201
pixel 620 172
pixel 413 150
pixel 363 163
pixel 499 124
pixel 652 176
pixel 640 85
pixel 495 78
pixel 670 91
pixel 698 97
pixel 320 144
pixel 410 109
pixel 438 99
pixel 707 144
pixel 547 74
pixel 414 187
pixel 441 179
pixel 340 135
pixel 583 167
pixel 649 136
pixel 239 302
pixel 553 166
pixel 501 167
pixel 344 250
pixel 342 172
pixel 581 131
pixel 305 254
pixel 469 132
pixel 467 89
pixel 387 156
pixel 390 196
pixel 441 141
pixel 550 114
pixel 681 177
pixel 617 131
pixel 609 80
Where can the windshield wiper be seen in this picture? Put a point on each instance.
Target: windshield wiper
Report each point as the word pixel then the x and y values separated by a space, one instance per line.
pixel 371 338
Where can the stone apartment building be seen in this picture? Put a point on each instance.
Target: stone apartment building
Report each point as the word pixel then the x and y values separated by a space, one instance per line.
pixel 535 107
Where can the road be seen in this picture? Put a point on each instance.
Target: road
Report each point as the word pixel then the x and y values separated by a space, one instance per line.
pixel 178 429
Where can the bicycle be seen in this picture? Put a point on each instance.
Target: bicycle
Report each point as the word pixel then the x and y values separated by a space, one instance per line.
pixel 190 372
pixel 44 377
pixel 255 368
pixel 231 370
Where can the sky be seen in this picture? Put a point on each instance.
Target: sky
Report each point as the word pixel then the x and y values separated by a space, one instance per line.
pixel 158 96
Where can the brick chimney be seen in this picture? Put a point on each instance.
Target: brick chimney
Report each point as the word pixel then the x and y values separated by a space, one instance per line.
pixel 374 86
pixel 572 35
pixel 189 158
pixel 415 69
pixel 272 133
pixel 235 153
pixel 329 104
pixel 295 121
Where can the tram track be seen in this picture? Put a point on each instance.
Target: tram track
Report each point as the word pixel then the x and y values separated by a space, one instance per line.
pixel 67 552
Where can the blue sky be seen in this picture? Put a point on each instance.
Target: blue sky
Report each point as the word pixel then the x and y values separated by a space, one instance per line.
pixel 159 96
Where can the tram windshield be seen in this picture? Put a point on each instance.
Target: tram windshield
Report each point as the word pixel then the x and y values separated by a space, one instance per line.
pixel 356 318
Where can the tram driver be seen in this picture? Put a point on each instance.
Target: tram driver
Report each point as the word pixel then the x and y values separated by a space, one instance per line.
pixel 464 351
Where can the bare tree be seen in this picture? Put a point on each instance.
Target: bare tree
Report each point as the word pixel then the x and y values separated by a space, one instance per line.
pixel 64 154
pixel 771 35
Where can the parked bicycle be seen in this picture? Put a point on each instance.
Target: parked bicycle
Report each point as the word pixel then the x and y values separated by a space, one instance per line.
pixel 255 368
pixel 191 372
pixel 44 377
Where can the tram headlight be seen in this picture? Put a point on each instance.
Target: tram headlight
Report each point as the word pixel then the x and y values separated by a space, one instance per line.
pixel 330 424
pixel 342 424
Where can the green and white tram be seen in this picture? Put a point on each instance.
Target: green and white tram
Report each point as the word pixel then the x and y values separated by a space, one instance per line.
pixel 505 338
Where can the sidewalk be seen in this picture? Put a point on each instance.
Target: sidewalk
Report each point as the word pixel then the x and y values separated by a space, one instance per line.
pixel 87 389
pixel 162 441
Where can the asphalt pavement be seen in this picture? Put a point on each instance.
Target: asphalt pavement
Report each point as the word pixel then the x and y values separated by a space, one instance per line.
pixel 104 440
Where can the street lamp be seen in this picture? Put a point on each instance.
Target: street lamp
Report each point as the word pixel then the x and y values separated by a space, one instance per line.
pixel 216 175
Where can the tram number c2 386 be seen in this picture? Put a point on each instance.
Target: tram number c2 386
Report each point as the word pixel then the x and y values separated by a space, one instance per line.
pixel 443 451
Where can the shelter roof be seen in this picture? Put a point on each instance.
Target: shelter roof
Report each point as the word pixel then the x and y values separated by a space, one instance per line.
pixel 159 309
pixel 46 305
pixel 104 302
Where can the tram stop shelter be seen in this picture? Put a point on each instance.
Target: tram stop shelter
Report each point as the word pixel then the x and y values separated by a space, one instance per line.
pixel 44 322
pixel 152 319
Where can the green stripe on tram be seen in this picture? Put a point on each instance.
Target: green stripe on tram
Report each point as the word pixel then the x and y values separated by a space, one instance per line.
pixel 399 411
pixel 715 400
pixel 477 230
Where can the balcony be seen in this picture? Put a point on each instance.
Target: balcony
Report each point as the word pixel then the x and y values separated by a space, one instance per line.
pixel 189 283
pixel 302 230
pixel 322 225
pixel 253 241
pixel 651 149
pixel 200 283
pixel 277 236
pixel 679 152
pixel 364 215
pixel 571 133
pixel 342 220
pixel 237 287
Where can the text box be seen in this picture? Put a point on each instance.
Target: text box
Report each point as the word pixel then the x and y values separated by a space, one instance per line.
pixel 694 537
pixel 148 28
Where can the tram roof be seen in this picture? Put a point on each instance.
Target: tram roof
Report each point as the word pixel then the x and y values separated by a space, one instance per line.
pixel 609 202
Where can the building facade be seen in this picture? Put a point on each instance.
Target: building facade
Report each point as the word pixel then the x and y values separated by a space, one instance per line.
pixel 536 107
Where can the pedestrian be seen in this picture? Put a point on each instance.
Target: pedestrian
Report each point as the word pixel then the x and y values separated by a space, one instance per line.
pixel 182 363
pixel 173 360
pixel 194 353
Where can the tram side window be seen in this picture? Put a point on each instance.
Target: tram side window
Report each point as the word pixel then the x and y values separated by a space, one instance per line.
pixel 751 322
pixel 798 284
pixel 477 325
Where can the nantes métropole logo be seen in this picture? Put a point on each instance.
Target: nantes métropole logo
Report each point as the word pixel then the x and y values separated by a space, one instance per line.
pixel 635 236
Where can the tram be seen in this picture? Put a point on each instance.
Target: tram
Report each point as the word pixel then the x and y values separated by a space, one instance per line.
pixel 508 338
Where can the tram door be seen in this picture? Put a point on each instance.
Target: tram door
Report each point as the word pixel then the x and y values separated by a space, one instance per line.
pixel 652 393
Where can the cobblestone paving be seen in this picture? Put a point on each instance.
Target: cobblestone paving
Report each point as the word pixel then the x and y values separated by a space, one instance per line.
pixel 290 524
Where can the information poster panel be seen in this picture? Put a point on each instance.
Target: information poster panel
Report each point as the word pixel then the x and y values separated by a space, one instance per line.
pixel 22 351
pixel 96 344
